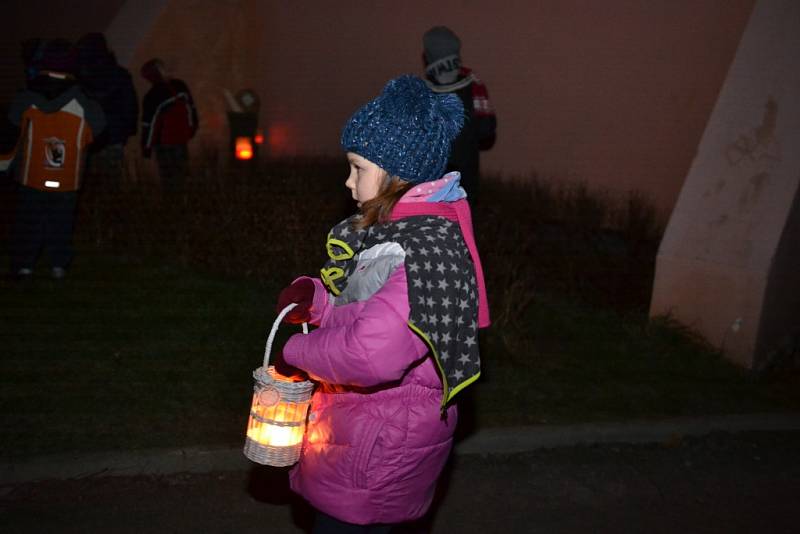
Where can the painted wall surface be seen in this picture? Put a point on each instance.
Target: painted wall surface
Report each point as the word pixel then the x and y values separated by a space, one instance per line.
pixel 614 93
pixel 212 46
pixel 24 19
pixel 728 263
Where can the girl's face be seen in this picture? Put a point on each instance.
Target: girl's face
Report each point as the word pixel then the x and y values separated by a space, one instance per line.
pixel 366 178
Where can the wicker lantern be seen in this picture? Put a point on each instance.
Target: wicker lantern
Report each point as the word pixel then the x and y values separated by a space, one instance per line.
pixel 278 413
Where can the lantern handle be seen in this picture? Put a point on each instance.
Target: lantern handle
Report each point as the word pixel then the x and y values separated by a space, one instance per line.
pixel 274 330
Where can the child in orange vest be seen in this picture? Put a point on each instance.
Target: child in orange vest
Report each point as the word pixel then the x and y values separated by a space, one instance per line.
pixel 57 122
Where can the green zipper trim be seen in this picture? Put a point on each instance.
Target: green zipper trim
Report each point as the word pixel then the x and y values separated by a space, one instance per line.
pixel 448 393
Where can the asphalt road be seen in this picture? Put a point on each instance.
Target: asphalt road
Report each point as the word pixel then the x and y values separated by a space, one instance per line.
pixel 721 483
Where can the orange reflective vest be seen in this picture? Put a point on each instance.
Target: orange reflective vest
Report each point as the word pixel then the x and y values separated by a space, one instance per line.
pixel 54 135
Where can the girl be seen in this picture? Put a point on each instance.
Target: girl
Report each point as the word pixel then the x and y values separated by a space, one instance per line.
pixel 398 306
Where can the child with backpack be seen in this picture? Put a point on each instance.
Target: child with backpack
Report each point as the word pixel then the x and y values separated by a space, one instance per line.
pixel 57 122
pixel 169 121
pixel 398 306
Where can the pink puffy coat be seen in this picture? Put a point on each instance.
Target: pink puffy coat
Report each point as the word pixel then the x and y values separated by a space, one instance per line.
pixel 376 440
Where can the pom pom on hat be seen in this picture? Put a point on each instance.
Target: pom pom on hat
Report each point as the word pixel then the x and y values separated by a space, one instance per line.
pixel 408 130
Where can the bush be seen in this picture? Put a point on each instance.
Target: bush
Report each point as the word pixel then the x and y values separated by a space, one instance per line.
pixel 269 222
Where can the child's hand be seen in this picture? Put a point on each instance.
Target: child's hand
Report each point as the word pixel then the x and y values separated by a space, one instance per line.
pixel 301 293
pixel 287 371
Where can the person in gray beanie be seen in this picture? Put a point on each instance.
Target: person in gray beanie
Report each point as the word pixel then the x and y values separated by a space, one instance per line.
pixel 398 306
pixel 446 75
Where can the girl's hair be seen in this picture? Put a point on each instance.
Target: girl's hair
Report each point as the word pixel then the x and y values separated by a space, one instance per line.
pixel 380 208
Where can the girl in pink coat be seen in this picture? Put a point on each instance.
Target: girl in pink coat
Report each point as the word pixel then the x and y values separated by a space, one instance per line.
pixel 397 306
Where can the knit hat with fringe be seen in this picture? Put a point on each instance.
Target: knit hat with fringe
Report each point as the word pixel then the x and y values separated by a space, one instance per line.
pixel 407 130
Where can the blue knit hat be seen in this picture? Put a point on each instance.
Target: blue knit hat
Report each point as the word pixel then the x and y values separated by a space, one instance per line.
pixel 407 130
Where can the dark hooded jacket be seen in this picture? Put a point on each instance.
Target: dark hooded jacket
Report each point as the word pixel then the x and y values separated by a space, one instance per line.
pixel 111 86
pixel 169 116
pixel 479 129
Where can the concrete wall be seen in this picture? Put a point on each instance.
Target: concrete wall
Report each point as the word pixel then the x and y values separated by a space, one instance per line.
pixel 614 93
pixel 728 264
pixel 212 45
pixel 23 19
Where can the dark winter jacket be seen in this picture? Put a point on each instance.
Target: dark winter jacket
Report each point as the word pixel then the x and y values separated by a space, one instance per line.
pixel 169 116
pixel 111 85
pixel 479 128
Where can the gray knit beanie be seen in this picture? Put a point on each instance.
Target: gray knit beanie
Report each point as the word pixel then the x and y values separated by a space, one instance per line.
pixel 440 42
pixel 407 130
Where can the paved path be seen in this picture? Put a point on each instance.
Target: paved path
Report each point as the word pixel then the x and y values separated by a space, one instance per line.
pixel 489 441
pixel 722 482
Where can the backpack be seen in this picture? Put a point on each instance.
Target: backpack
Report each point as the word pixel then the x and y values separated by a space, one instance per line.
pixel 174 119
pixel 51 147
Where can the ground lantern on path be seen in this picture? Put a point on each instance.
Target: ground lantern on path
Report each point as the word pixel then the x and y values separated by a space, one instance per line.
pixel 278 412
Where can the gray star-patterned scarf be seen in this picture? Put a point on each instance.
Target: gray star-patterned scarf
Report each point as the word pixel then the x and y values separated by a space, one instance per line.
pixel 442 289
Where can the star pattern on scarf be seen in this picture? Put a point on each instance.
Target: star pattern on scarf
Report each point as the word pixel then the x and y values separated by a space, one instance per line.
pixel 441 285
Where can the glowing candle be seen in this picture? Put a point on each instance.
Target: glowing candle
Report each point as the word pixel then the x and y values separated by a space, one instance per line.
pixel 277 425
pixel 277 421
pixel 244 149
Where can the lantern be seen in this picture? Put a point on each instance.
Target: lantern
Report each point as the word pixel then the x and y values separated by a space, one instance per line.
pixel 278 412
pixel 244 148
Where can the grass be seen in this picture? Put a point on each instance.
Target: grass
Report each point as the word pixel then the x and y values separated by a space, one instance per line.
pixel 575 362
pixel 126 354
pixel 152 339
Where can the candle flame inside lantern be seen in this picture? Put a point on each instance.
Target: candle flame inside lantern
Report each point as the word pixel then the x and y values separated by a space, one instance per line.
pixel 281 425
pixel 273 421
pixel 244 149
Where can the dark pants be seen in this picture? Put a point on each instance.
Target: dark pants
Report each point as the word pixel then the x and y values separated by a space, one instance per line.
pixel 173 165
pixel 43 220
pixel 105 168
pixel 325 524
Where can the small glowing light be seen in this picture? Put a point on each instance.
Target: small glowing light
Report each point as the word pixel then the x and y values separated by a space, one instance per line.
pixel 52 183
pixel 259 137
pixel 244 149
